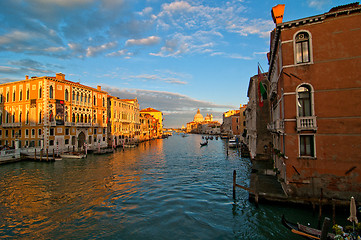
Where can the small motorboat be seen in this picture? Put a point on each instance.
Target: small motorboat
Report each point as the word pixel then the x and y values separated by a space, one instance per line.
pixel 72 155
pixel 232 143
pixel 305 231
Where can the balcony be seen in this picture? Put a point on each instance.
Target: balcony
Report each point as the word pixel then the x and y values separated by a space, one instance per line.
pixel 276 126
pixel 83 124
pixel 17 124
pixel 306 123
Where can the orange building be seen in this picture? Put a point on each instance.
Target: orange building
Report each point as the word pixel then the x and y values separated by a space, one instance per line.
pixel 52 113
pixel 314 88
pixel 124 124
pixel 157 115
pixel 148 127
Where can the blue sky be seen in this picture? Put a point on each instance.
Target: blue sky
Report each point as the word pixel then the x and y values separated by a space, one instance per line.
pixel 174 56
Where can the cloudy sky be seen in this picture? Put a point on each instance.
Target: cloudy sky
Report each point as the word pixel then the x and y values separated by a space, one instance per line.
pixel 174 56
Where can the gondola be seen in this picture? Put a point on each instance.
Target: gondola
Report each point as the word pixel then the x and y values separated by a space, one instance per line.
pixel 304 231
pixel 203 143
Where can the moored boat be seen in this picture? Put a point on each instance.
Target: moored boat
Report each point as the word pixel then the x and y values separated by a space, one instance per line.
pixel 305 231
pixel 232 143
pixel 72 155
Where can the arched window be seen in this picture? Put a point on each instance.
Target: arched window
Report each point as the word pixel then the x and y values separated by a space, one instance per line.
pixel 27 117
pixel 73 118
pixel 94 100
pixel 81 97
pixel 81 118
pixel 66 95
pixel 85 98
pixel 73 96
pixel 77 96
pixel 20 117
pixel 7 117
pixel 304 100
pixel 302 47
pixel 21 95
pixel 7 97
pixel 40 92
pixel 27 94
pixel 77 117
pixel 103 102
pixel 51 92
pixel 14 96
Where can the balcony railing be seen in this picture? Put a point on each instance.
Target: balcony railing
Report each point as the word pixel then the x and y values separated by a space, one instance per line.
pixel 16 124
pixel 276 126
pixel 306 123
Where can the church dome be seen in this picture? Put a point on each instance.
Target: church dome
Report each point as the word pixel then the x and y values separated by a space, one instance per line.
pixel 198 117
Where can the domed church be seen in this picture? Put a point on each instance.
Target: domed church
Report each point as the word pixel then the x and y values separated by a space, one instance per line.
pixel 198 117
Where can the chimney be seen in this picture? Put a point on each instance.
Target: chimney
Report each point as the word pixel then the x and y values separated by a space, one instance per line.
pixel 277 13
pixel 60 76
pixel 99 88
pixel 26 77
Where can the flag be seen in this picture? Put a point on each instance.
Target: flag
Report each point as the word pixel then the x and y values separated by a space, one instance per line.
pixel 260 99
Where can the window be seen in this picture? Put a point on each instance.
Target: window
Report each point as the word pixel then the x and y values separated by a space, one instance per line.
pixel 304 101
pixel 66 141
pixel 307 146
pixel 302 47
pixel 7 97
pixel 27 117
pixel 66 131
pixel 27 94
pixel 94 100
pixel 33 132
pixel 26 132
pixel 39 132
pixel 73 96
pixel 40 92
pixel 77 97
pixel 51 92
pixel 51 143
pixel 21 95
pixel 51 131
pixel 14 96
pixel 66 95
pixel 40 117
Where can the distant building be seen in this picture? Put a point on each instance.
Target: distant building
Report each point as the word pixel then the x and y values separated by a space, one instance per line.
pixel 314 88
pixel 257 115
pixel 230 125
pixel 157 115
pixel 148 127
pixel 124 124
pixel 203 125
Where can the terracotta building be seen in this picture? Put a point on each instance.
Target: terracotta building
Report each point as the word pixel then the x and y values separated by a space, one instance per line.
pixel 52 113
pixel 314 88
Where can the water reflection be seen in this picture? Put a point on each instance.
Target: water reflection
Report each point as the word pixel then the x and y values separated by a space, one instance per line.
pixel 164 189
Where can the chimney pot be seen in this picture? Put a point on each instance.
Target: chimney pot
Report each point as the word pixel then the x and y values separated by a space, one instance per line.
pixel 26 77
pixel 99 88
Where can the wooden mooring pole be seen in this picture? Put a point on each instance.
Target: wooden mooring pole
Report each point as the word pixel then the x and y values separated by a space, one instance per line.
pixel 35 155
pixel 47 154
pixel 234 182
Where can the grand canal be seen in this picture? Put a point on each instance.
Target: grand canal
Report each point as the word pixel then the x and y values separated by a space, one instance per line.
pixel 164 189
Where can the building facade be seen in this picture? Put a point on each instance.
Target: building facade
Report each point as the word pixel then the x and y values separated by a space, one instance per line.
pixel 52 113
pixel 124 122
pixel 314 87
pixel 157 115
pixel 230 125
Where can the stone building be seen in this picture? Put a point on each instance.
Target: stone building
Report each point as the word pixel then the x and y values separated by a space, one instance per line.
pixel 257 137
pixel 52 113
pixel 314 88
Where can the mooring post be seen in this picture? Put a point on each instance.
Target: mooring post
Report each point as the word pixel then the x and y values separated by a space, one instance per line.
pixel 333 211
pixel 35 155
pixel 47 154
pixel 41 154
pixel 325 226
pixel 320 209
pixel 234 184
pixel 53 154
pixel 256 190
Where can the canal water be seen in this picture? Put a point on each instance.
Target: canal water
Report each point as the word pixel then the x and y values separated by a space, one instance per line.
pixel 164 189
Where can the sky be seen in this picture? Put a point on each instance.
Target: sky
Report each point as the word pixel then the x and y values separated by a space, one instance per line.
pixel 174 56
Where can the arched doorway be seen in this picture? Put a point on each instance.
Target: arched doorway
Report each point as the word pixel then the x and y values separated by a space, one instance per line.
pixel 81 140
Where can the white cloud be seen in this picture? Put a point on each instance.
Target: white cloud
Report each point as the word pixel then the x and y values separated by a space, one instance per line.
pixel 318 4
pixel 123 52
pixel 152 40
pixel 15 36
pixel 92 51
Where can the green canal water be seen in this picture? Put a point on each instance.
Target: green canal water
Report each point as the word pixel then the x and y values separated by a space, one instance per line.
pixel 164 189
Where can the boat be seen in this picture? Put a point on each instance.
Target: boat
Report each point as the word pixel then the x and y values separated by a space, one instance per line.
pixel 305 231
pixel 104 151
pixel 72 155
pixel 204 143
pixel 232 143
